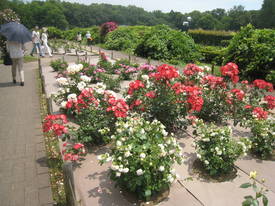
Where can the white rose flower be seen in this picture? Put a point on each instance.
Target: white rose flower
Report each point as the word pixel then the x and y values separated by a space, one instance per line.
pixel 206 162
pixel 74 68
pixel 114 167
pixel 161 168
pixel 118 174
pixel 139 172
pixel 81 86
pixel 108 159
pixel 63 104
pixel 101 85
pixel 100 91
pixel 142 155
pixel 219 152
pixel 127 154
pixel 125 170
pixel 62 81
pixel 145 77
pixel 72 97
pixel 85 78
pixel 142 131
pixel 205 139
pixel 170 178
pixel 100 157
pixel 198 156
pixel 118 143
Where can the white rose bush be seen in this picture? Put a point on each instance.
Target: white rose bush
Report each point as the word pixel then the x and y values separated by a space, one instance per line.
pixel 263 136
pixel 142 157
pixel 216 148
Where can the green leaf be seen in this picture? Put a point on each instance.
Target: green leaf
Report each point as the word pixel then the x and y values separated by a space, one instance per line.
pixel 247 202
pixel 147 193
pixel 255 203
pixel 265 200
pixel 258 194
pixel 248 197
pixel 246 185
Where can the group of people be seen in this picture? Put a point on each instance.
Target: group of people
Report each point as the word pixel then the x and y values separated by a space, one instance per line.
pixel 40 45
pixel 87 35
pixel 17 51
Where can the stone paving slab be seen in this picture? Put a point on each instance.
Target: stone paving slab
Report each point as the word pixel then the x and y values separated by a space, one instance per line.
pixel 210 192
pixel 264 168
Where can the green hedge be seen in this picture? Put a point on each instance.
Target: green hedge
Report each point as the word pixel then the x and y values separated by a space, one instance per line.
pixel 253 50
pixel 210 37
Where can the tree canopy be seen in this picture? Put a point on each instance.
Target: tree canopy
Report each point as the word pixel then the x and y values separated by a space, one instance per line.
pixel 65 15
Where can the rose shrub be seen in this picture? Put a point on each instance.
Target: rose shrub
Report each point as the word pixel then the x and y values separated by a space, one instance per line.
pixel 216 148
pixel 59 65
pixel 160 96
pixel 263 136
pixel 142 156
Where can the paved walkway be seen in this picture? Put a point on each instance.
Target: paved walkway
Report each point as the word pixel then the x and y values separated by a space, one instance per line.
pixel 24 178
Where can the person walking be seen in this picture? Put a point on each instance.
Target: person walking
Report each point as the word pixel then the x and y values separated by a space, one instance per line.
pixel 89 38
pixel 36 42
pixel 16 51
pixel 79 37
pixel 44 38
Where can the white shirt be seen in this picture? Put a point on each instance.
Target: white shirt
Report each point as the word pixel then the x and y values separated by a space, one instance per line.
pixel 15 49
pixel 78 37
pixel 44 38
pixel 35 37
pixel 88 35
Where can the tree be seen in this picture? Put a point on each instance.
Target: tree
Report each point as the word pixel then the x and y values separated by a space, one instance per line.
pixel 267 14
pixel 208 22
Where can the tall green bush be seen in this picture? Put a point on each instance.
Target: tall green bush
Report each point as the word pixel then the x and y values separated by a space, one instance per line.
pixel 125 38
pixel 253 51
pixel 163 43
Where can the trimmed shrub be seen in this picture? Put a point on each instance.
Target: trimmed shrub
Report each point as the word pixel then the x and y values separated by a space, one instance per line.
pixel 125 38
pixel 212 54
pixel 163 43
pixel 253 51
pixel 210 37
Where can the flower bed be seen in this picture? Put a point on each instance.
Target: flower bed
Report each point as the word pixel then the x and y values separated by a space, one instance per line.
pixel 173 99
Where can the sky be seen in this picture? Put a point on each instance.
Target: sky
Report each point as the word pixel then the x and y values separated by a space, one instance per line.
pixel 183 6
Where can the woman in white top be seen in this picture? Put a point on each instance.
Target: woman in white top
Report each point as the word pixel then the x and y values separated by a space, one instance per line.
pixel 16 51
pixel 44 38
pixel 36 42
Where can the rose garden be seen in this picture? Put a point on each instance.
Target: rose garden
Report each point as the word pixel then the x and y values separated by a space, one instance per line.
pixel 145 116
